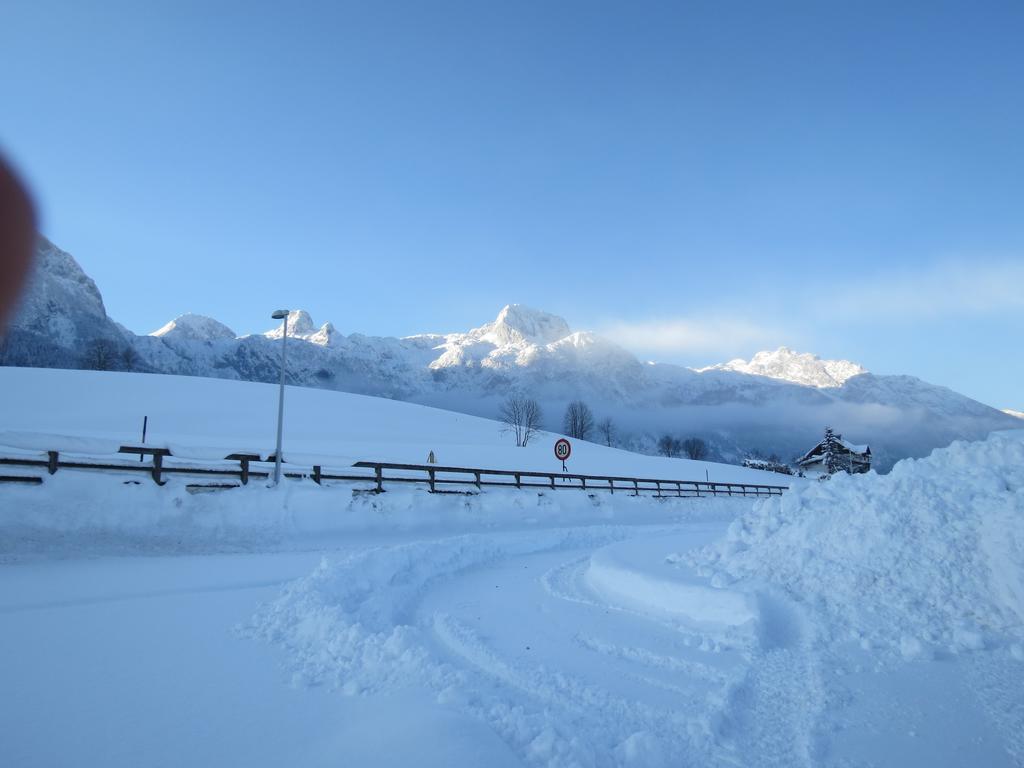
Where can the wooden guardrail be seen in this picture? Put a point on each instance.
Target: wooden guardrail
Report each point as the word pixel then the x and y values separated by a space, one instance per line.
pixel 435 477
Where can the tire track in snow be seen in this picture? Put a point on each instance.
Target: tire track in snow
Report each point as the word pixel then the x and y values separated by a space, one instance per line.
pixel 363 626
pixel 576 712
pixel 677 724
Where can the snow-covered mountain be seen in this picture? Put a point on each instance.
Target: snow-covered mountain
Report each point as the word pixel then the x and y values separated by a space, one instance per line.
pixel 194 328
pixel 1011 412
pixel 778 402
pixel 796 367
pixel 61 321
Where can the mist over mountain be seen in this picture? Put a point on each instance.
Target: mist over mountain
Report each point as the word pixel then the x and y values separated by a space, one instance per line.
pixel 777 402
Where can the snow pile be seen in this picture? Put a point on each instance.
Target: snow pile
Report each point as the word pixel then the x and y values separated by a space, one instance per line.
pixel 928 558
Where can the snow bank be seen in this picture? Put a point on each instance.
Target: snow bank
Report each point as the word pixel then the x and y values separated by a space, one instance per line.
pixel 94 512
pixel 929 558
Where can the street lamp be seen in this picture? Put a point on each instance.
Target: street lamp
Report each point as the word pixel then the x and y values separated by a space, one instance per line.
pixel 281 314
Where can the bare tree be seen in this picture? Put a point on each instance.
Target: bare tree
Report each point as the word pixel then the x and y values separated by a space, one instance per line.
pixel 521 416
pixel 606 428
pixel 695 448
pixel 669 446
pixel 129 358
pixel 100 356
pixel 578 421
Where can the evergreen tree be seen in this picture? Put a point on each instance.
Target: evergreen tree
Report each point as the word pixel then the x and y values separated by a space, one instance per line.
pixel 832 458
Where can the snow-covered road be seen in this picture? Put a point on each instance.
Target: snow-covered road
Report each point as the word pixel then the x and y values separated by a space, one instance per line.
pixel 151 660
pixel 585 645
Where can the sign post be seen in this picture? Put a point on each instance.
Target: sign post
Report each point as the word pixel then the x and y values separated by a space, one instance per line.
pixel 563 450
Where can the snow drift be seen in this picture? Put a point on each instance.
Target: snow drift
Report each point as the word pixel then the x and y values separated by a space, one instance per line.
pixel 928 559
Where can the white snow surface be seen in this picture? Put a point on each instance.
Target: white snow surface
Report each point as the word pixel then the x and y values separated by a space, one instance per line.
pixel 926 560
pixel 870 620
pixel 1011 412
pixel 97 411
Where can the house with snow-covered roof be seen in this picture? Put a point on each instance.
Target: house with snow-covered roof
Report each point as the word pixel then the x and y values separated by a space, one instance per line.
pixel 834 454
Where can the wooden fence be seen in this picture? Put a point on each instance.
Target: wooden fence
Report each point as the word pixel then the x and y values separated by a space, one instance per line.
pixel 437 478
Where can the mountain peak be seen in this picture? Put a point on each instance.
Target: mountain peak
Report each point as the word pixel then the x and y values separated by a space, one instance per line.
pixel 797 367
pixel 195 328
pixel 60 305
pixel 299 324
pixel 517 323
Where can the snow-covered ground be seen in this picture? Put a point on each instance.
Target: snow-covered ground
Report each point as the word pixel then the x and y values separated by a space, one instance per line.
pixel 870 620
pixel 93 411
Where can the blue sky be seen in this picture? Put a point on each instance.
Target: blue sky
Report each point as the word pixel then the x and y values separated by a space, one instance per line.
pixel 697 180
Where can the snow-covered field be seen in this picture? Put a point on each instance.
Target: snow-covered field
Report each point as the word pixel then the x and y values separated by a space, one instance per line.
pixel 865 621
pixel 96 411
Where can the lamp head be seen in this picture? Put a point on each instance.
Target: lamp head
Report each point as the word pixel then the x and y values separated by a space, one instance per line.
pixel 280 314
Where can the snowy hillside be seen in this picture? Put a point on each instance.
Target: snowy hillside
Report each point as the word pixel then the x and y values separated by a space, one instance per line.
pixel 778 402
pixel 96 412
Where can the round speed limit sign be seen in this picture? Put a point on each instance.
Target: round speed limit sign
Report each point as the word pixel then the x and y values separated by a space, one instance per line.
pixel 562 449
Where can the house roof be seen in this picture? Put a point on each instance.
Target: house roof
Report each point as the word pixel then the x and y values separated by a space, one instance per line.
pixel 819 450
pixel 855 448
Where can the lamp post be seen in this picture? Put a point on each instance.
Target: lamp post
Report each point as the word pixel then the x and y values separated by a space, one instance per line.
pixel 281 314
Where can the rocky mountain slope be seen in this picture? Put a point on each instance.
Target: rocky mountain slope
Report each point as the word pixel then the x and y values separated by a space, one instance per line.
pixel 778 402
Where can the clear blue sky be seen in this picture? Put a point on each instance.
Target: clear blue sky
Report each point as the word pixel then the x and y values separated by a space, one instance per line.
pixel 699 180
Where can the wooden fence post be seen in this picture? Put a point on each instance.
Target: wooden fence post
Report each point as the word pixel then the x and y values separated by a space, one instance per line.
pixel 379 472
pixel 51 465
pixel 316 474
pixel 432 475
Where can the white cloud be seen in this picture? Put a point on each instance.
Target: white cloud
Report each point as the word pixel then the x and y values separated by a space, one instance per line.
pixel 805 316
pixel 724 336
pixel 947 289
